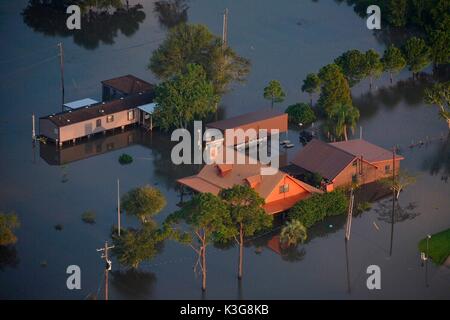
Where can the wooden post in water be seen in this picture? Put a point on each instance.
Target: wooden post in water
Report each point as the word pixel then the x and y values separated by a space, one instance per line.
pixel 33 128
pixel 225 29
pixel 61 67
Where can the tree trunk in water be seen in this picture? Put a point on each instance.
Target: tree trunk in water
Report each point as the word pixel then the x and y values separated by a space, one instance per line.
pixel 203 253
pixel 448 123
pixel 345 133
pixel 370 83
pixel 272 104
pixel 390 76
pixel 310 98
pixel 241 251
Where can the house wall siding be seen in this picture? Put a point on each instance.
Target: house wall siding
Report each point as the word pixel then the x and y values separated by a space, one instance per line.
pixel 369 172
pixel 294 190
pixel 84 128
pixel 48 129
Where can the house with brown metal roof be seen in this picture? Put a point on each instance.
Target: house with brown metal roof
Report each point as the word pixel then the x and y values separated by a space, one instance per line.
pixel 343 163
pixel 279 191
pixel 267 119
pixel 124 86
pixel 88 119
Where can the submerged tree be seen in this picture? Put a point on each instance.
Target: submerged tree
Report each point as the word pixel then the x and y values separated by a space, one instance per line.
pixel 341 118
pixel 144 203
pixel 353 64
pixel 439 95
pixel 301 113
pixel 8 222
pixel 247 215
pixel 393 61
pixel 134 246
pixel 402 179
pixel 440 48
pixel 293 233
pixel 208 220
pixel 274 92
pixel 335 88
pixel 311 85
pixel 397 12
pixel 417 54
pixel 185 97
pixel 195 44
pixel 374 67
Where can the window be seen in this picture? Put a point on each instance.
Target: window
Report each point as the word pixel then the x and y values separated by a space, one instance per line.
pixel 354 178
pixel 387 169
pixel 131 115
pixel 110 118
pixel 284 188
pixel 98 123
pixel 355 163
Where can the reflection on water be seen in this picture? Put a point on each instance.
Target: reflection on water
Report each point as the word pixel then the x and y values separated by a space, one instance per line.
pixel 401 213
pixel 133 284
pixel 439 162
pixel 171 12
pixel 158 143
pixel 8 257
pixel 96 27
pixel 410 91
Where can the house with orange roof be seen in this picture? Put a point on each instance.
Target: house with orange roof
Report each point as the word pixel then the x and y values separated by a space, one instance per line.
pixel 279 191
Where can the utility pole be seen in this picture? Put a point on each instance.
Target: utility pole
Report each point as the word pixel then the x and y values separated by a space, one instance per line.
pixel 393 200
pixel 118 206
pixel 108 265
pixel 225 29
pixel 348 226
pixel 61 67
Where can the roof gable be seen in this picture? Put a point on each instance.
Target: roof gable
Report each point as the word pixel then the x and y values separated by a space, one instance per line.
pixel 367 150
pixel 323 158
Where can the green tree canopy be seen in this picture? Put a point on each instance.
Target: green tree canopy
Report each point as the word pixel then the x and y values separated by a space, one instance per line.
pixel 293 233
pixel 439 95
pixel 274 92
pixel 311 85
pixel 393 60
pixel 208 220
pixel 143 202
pixel 195 44
pixel 8 222
pixel 397 12
pixel 353 64
pixel 247 215
pixel 341 118
pixel 335 88
pixel 184 98
pixel 374 66
pixel 417 54
pixel 439 45
pixel 135 246
pixel 301 113
pixel 318 207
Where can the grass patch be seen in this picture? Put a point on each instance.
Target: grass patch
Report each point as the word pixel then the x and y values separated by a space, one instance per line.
pixel 439 246
pixel 88 217
pixel 125 159
pixel 363 206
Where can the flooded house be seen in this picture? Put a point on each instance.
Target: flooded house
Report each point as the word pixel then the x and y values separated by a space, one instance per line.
pixel 344 163
pixel 267 119
pixel 134 106
pixel 279 191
